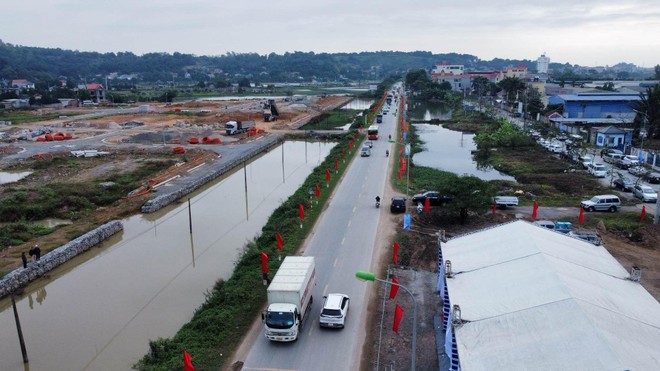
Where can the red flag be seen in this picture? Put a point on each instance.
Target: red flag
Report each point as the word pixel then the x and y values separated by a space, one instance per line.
pixel 398 314
pixel 350 145
pixel 494 208
pixel 641 217
pixel 280 241
pixel 327 175
pixel 318 191
pixel 427 205
pixel 302 211
pixel 581 217
pixel 264 263
pixel 536 209
pixel 395 288
pixel 336 164
pixel 395 257
pixel 187 362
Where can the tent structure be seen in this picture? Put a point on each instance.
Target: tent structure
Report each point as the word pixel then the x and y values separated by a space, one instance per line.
pixel 534 299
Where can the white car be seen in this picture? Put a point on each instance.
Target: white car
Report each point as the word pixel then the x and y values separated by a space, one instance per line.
pixel 598 170
pixel 334 311
pixel 629 160
pixel 586 161
pixel 645 193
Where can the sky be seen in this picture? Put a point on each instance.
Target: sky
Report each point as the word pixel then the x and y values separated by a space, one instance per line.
pixel 586 32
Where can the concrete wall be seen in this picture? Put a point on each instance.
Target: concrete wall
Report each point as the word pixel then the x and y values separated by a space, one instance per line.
pixel 51 260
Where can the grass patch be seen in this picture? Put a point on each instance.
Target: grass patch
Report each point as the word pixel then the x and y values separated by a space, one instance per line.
pixel 331 120
pixel 23 116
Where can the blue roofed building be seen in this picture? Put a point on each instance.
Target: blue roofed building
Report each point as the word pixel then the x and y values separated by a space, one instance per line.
pixel 596 108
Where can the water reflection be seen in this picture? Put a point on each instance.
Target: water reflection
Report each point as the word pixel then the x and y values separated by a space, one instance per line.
pixel 449 150
pixel 427 111
pixel 146 282
pixel 12 176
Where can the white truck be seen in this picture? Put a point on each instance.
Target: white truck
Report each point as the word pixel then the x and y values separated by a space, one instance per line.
pixel 503 201
pixel 289 298
pixel 238 127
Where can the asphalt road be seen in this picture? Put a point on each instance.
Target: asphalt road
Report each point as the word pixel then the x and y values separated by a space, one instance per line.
pixel 342 243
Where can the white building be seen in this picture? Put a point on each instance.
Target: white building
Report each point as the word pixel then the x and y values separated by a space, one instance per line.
pixel 447 69
pixel 542 64
pixel 533 299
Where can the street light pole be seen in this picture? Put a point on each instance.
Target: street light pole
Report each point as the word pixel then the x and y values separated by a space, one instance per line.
pixel 368 276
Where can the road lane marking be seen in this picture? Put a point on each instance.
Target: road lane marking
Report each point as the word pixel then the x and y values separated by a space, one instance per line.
pixel 349 223
pixel 354 208
pixel 325 290
pixel 311 328
pixel 343 239
pixel 334 265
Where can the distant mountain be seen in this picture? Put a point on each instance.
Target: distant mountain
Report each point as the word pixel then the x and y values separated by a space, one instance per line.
pixel 42 64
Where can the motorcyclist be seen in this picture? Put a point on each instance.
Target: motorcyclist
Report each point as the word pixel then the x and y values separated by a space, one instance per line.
pixel 377 201
pixel 387 153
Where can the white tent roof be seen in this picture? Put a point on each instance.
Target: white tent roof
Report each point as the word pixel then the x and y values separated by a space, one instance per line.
pixel 534 299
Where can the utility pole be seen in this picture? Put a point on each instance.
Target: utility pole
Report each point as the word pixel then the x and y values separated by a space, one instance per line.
pixel 18 328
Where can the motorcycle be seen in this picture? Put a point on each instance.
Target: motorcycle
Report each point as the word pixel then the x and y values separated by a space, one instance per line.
pixel 387 153
pixel 377 202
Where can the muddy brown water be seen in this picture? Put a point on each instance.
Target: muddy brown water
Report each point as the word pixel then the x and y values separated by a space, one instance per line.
pixel 99 311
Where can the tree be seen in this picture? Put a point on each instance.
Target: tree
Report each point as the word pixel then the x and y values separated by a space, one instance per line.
pixel 648 111
pixel 244 83
pixel 657 71
pixel 469 194
pixel 534 104
pixel 512 86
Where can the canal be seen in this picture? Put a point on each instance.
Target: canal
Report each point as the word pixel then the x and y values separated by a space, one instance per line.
pixel 99 311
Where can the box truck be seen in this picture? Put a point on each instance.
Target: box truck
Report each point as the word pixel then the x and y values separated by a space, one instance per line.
pixel 289 298
pixel 238 127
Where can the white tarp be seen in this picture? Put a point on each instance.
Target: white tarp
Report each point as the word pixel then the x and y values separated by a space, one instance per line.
pixel 534 299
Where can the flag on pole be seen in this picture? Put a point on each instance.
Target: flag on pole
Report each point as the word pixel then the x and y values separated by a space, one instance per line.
pixel 395 255
pixel 398 315
pixel 280 241
pixel 493 208
pixel 336 164
pixel 581 217
pixel 302 211
pixel 318 191
pixel 427 205
pixel 264 263
pixel 327 175
pixel 536 209
pixel 641 217
pixel 394 288
pixel 187 362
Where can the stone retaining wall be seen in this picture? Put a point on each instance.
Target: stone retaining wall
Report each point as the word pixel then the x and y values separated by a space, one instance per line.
pixel 220 168
pixel 36 269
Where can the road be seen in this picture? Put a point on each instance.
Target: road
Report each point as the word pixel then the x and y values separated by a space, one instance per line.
pixel 343 243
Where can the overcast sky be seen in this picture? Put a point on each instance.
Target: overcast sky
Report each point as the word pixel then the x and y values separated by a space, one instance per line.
pixel 586 32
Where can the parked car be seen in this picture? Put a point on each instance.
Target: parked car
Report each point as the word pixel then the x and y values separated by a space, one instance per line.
pixel 623 184
pixel 591 237
pixel 610 203
pixel 614 159
pixel 637 170
pixel 645 193
pixel 628 161
pixel 653 178
pixel 598 170
pixel 586 161
pixel 334 310
pixel 606 152
pixel 398 204
pixel 556 147
pixel 435 198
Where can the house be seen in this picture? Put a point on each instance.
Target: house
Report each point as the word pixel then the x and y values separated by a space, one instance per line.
pixel 611 137
pixel 96 91
pixel 22 84
pixel 522 297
